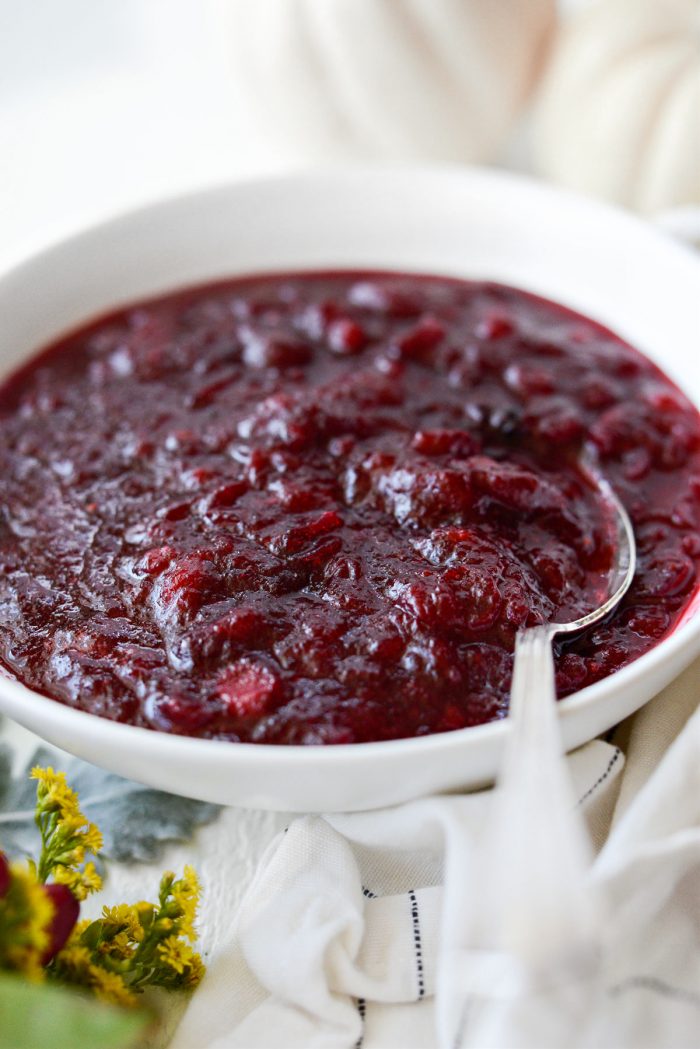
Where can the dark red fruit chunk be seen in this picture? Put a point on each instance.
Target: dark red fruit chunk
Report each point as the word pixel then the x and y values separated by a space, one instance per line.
pixel 248 688
pixel 495 325
pixel 346 337
pixel 299 537
pixel 185 713
pixel 528 382
pixel 668 576
pixel 227 494
pixel 385 297
pixel 156 561
pixel 262 350
pixel 457 443
pixel 419 341
pixel 185 585
pixel 515 487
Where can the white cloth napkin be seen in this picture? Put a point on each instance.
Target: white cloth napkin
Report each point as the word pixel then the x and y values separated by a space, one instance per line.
pixel 350 933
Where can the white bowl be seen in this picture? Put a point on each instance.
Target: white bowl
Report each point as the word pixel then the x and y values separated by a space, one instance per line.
pixel 607 264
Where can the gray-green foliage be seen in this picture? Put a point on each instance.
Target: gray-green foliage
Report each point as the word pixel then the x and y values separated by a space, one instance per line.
pixel 136 821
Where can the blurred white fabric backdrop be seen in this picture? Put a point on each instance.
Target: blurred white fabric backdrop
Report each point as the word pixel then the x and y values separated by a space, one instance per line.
pixel 104 105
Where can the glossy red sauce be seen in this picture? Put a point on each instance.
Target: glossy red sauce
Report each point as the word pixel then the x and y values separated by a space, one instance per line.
pixel 316 508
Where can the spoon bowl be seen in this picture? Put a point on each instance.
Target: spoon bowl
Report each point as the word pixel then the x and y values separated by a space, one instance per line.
pixel 533 687
pixel 625 560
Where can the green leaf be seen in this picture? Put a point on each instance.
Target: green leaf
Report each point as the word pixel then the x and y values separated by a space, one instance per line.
pixel 136 821
pixel 42 1016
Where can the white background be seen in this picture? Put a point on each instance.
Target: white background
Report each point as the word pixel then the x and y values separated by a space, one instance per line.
pixel 107 103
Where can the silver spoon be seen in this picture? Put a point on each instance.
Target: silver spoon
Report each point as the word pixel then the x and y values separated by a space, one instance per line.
pixel 539 922
pixel 532 690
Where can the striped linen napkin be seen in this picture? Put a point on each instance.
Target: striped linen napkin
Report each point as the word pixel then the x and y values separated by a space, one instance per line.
pixel 356 929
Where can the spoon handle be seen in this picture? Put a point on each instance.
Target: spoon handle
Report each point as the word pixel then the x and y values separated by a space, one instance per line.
pixel 534 729
pixel 537 924
pixel 535 854
pixel 541 829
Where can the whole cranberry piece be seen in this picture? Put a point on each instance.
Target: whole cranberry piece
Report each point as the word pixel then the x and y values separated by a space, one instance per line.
pixel 384 298
pixel 457 443
pixel 346 337
pixel 266 350
pixel 185 713
pixel 4 875
pixel 65 915
pixel 248 688
pixel 495 325
pixel 418 342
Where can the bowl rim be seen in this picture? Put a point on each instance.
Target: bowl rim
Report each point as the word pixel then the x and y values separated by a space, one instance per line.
pixel 38 245
pixel 684 636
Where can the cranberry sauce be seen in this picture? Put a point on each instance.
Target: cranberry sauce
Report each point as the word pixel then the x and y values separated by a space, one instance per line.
pixel 316 508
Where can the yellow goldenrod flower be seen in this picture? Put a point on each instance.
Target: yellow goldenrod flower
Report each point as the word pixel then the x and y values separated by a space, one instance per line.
pixel 187 927
pixel 67 876
pixel 66 833
pixel 90 880
pixel 186 919
pixel 71 857
pixel 166 882
pixel 194 973
pixel 26 961
pixel 191 881
pixel 117 955
pixel 78 930
pixel 120 946
pixel 46 778
pixel 74 957
pixel 175 953
pixel 185 894
pixel 54 794
pixel 92 838
pixel 144 911
pixel 71 826
pixel 120 914
pixel 80 882
pixel 39 908
pixel 25 916
pixel 110 987
pixel 124 917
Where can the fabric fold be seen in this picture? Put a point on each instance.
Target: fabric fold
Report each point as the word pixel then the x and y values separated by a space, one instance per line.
pixel 333 941
pixel 351 932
